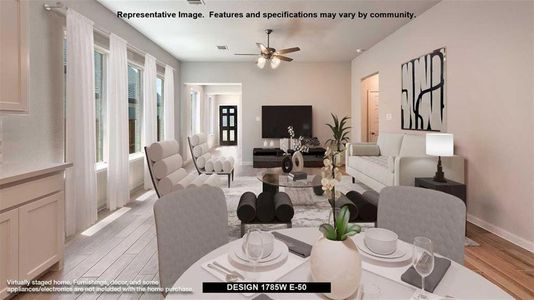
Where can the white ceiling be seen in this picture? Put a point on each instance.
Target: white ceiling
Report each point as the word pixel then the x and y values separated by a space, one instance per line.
pixel 319 39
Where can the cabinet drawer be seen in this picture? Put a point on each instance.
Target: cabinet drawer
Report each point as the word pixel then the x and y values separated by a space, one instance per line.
pixel 40 235
pixel 9 241
pixel 17 194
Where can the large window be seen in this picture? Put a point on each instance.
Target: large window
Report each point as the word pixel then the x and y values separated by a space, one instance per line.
pixel 211 114
pixel 159 99
pixel 135 109
pixel 195 112
pixel 100 105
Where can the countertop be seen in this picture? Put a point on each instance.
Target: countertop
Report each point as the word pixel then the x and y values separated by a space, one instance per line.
pixel 12 172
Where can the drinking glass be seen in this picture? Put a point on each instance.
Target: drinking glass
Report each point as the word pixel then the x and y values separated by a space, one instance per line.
pixel 423 261
pixel 254 249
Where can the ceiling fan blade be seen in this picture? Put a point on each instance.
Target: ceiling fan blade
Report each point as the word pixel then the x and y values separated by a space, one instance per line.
pixel 262 48
pixel 246 54
pixel 288 50
pixel 284 58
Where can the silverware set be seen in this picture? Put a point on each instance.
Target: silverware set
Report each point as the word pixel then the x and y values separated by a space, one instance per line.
pixel 230 275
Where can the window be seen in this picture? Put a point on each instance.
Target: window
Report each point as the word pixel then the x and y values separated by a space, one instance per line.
pixel 100 105
pixel 211 114
pixel 195 112
pixel 135 109
pixel 159 101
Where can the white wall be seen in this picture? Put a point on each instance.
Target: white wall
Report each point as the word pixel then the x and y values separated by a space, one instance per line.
pixel 325 86
pixel 39 136
pixel 489 101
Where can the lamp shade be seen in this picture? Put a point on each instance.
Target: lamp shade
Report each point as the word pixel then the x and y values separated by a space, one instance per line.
pixel 261 62
pixel 440 144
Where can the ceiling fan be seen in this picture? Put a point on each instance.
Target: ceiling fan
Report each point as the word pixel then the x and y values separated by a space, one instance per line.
pixel 271 54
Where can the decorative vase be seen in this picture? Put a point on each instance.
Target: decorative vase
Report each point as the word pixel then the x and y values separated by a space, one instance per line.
pixel 338 262
pixel 298 161
pixel 271 144
pixel 265 144
pixel 287 164
pixel 340 159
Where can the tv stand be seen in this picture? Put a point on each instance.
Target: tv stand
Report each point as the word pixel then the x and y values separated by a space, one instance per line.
pixel 272 157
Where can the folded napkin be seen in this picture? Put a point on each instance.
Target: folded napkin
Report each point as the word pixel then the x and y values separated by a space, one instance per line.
pixel 295 246
pixel 441 265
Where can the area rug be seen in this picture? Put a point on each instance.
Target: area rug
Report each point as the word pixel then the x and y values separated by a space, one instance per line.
pixel 311 215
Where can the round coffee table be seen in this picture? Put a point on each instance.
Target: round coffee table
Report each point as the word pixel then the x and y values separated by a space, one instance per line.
pixel 273 179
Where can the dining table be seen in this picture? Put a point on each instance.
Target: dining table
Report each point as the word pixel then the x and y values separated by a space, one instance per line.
pixel 378 281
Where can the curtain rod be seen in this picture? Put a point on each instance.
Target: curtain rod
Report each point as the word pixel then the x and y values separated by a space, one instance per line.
pixel 60 8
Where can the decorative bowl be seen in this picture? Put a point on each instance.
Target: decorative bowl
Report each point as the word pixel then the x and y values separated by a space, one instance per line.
pixel 381 241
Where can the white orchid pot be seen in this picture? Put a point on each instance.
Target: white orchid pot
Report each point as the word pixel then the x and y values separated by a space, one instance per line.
pixel 337 262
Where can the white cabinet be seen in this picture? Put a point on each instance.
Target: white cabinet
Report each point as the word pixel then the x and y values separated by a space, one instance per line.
pixel 8 249
pixel 32 209
pixel 14 56
pixel 39 243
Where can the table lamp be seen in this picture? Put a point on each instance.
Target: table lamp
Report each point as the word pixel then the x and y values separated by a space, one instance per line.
pixel 440 144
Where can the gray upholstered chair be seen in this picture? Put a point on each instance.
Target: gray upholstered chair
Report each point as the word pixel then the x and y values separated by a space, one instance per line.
pixel 411 212
pixel 189 224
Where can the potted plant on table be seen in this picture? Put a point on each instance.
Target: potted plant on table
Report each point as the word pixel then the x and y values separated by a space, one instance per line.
pixel 335 257
pixel 340 137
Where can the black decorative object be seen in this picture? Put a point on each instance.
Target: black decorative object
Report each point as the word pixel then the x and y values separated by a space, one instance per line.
pixel 423 92
pixel 246 209
pixel 283 207
pixel 265 207
pixel 287 164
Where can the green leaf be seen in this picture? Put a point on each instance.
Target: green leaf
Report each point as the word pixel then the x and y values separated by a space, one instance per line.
pixel 328 231
pixel 342 221
pixel 354 227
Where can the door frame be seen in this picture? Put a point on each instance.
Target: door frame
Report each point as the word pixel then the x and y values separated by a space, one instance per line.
pixel 228 128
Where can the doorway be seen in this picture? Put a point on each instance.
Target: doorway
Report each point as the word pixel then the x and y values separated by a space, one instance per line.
pixel 370 109
pixel 372 116
pixel 228 125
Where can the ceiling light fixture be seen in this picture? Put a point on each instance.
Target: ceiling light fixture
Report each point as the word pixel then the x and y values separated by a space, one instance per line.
pixel 261 62
pixel 359 50
pixel 275 62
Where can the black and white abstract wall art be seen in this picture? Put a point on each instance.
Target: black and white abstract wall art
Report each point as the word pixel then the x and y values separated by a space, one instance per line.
pixel 423 92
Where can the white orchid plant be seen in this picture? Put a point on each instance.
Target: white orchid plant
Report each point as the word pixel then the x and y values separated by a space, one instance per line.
pixel 330 176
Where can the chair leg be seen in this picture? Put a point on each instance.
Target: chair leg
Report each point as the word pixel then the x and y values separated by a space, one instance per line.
pixel 228 180
pixel 242 229
pixel 290 225
pixel 353 180
pixel 232 174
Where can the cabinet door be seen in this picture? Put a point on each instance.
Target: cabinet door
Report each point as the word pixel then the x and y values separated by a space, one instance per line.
pixel 9 251
pixel 39 238
pixel 14 58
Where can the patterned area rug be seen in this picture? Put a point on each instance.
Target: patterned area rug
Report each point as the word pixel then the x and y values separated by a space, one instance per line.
pixel 311 215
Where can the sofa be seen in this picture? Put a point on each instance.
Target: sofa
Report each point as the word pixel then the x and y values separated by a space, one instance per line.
pixel 395 160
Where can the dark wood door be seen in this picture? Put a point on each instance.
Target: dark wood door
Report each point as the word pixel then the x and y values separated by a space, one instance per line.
pixel 228 125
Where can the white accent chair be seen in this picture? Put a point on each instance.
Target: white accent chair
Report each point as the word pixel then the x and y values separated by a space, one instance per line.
pixel 205 163
pixel 165 167
pixel 395 160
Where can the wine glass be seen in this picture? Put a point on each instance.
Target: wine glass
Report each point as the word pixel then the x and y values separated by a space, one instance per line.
pixel 254 249
pixel 423 261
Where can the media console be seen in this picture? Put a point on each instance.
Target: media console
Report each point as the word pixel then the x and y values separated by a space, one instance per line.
pixel 272 157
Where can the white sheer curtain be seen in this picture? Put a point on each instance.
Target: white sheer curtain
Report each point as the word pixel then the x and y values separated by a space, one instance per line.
pixel 80 188
pixel 118 191
pixel 168 103
pixel 149 134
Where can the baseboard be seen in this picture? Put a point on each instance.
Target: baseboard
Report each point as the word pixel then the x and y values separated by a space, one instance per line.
pixel 507 235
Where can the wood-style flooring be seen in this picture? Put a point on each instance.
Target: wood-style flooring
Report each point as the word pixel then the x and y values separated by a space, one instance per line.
pixel 126 250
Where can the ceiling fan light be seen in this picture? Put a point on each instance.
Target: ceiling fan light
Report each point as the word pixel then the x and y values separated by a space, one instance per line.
pixel 261 62
pixel 275 62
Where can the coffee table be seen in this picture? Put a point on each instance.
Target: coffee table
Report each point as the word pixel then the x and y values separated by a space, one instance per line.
pixel 275 178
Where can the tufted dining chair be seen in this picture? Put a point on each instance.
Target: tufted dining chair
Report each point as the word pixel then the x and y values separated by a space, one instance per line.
pixel 411 211
pixel 190 223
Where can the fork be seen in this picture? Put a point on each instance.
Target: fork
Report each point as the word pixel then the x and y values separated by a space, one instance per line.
pixel 229 271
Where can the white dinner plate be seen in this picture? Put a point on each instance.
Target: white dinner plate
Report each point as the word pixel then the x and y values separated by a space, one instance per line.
pixel 279 254
pixel 402 254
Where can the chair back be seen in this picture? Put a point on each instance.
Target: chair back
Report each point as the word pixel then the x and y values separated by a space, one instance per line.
pixel 198 146
pixel 165 165
pixel 190 223
pixel 411 212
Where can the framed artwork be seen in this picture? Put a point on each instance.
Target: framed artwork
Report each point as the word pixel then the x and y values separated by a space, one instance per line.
pixel 423 104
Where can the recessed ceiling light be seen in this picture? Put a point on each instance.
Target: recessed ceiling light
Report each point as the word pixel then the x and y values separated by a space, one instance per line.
pixel 359 50
pixel 195 2
pixel 222 47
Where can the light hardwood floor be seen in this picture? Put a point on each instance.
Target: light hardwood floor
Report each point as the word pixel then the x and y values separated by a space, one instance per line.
pixel 126 250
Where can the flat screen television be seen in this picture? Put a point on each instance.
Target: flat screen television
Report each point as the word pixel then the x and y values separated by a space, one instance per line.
pixel 276 119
